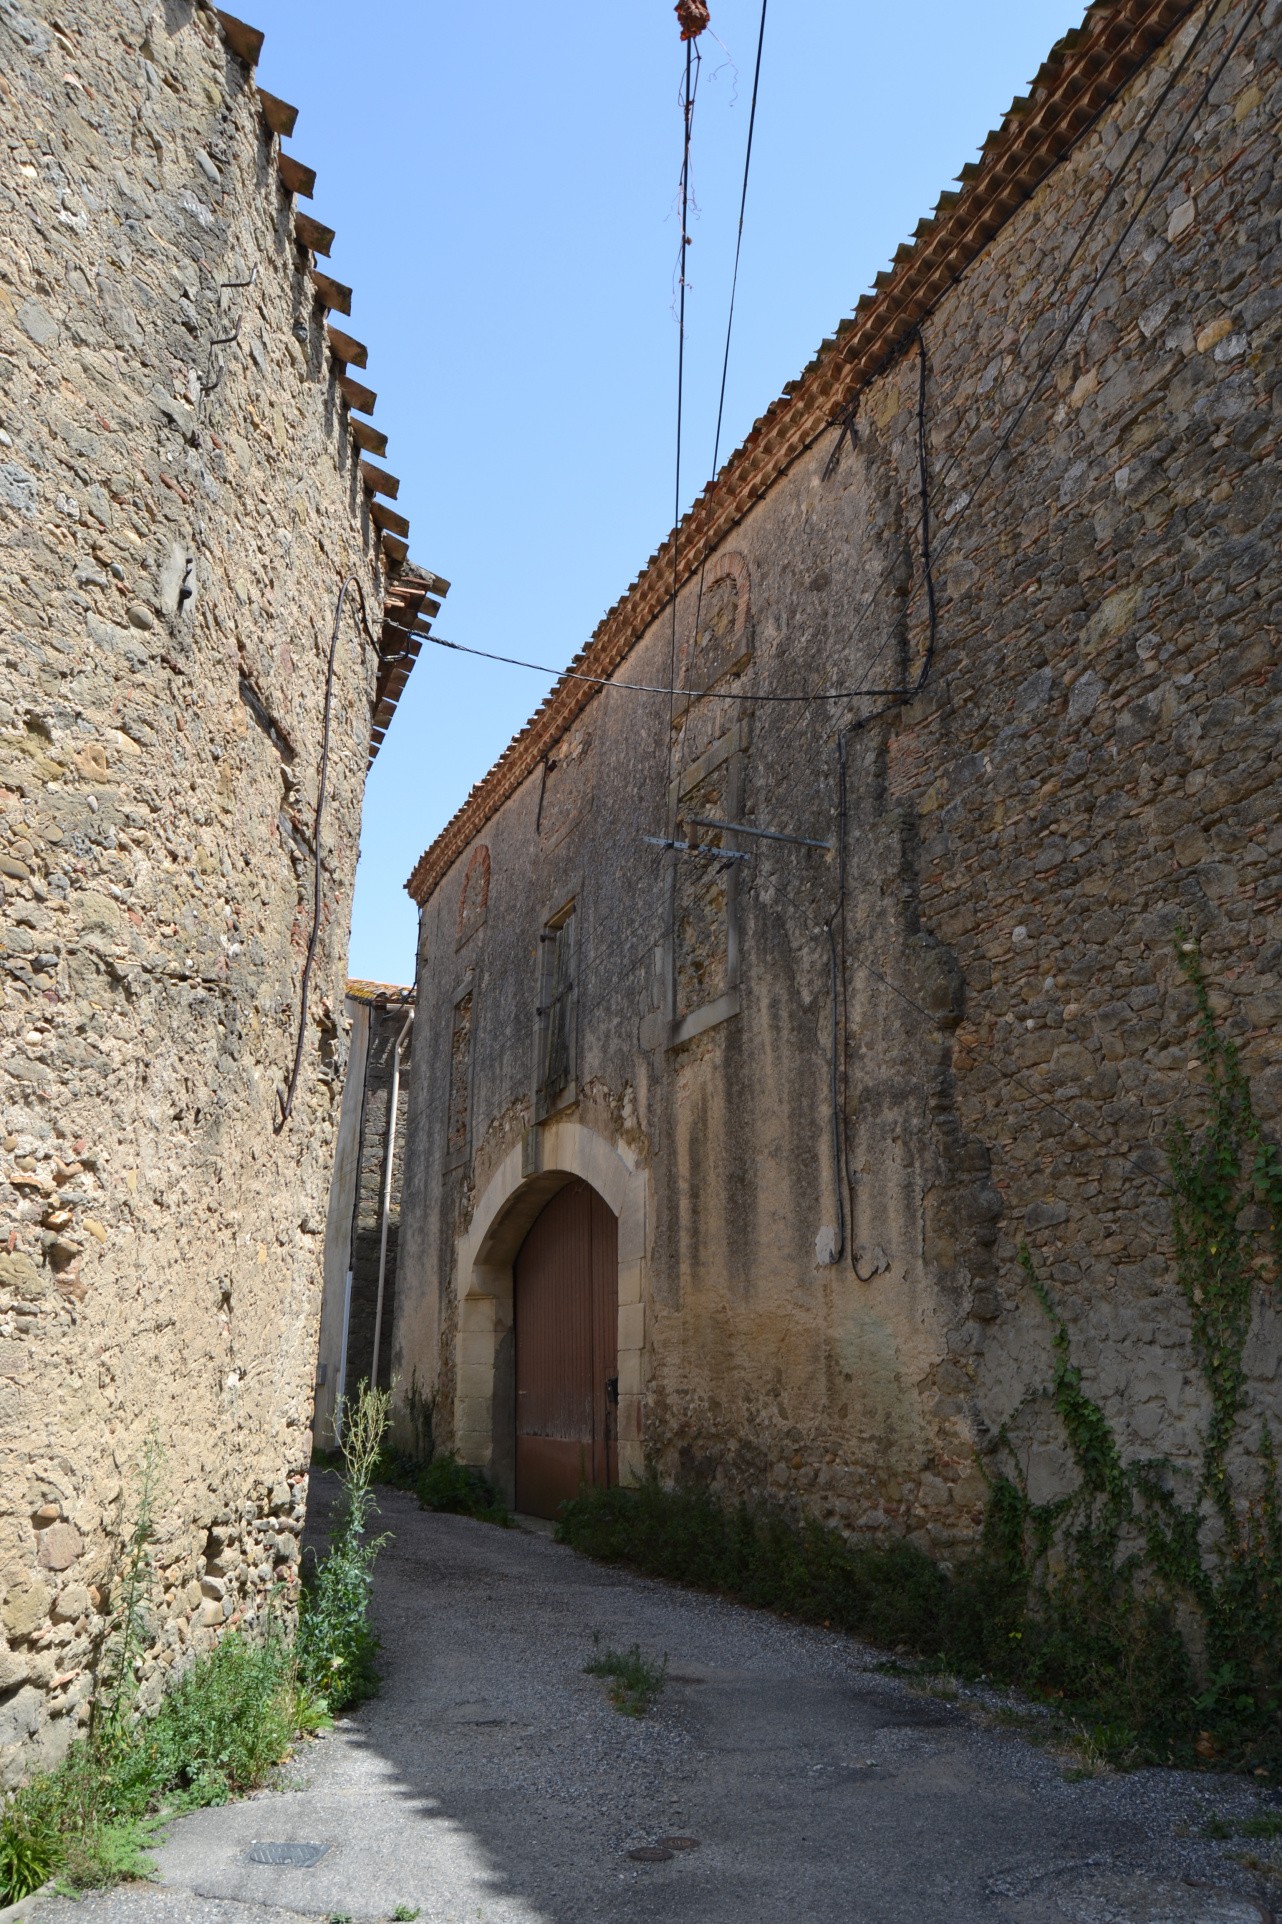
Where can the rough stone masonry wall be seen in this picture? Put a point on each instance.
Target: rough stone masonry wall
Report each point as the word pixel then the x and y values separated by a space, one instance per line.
pixel 386 1025
pixel 170 565
pixel 1093 761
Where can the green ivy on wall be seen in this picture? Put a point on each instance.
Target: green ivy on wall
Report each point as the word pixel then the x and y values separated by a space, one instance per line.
pixel 1146 1589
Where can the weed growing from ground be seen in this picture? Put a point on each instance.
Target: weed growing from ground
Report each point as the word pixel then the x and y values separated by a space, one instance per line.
pixel 1267 1825
pixel 230 1717
pixel 447 1484
pixel 337 1648
pixel 1260 1866
pixel 637 1681
pixel 404 1914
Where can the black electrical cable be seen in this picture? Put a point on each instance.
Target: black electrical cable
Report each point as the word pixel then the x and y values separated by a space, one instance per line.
pixel 1097 280
pixel 838 1100
pixel 842 1172
pixel 691 83
pixel 861 690
pixel 738 246
pixel 286 1099
pixel 658 688
pixel 1010 1075
pixel 844 422
pixel 923 472
pixel 696 695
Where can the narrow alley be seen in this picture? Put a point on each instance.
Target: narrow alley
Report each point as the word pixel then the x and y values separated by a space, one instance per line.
pixel 492 1780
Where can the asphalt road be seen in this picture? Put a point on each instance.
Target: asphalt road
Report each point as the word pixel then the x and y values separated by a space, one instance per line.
pixel 491 1780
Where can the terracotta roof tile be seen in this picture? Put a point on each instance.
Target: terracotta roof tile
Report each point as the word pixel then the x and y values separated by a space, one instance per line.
pixel 378 993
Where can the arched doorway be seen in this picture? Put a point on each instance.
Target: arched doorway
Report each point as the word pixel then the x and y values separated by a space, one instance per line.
pixel 566 1323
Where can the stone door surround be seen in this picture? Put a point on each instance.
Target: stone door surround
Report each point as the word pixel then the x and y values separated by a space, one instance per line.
pixel 532 1171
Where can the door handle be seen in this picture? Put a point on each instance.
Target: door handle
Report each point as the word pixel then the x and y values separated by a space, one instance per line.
pixel 611 1389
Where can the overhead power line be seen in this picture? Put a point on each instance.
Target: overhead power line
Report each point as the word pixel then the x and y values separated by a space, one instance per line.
pixel 658 688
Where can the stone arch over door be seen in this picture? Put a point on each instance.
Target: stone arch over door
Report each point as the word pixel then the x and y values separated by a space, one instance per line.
pixel 485 1403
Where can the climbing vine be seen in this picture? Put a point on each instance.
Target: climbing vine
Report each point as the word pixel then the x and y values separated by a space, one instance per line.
pixel 1148 1591
pixel 1226 1211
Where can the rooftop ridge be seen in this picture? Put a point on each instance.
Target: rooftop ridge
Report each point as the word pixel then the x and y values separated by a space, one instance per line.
pixel 1083 72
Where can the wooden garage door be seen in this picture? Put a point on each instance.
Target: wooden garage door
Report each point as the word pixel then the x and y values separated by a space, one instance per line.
pixel 567 1367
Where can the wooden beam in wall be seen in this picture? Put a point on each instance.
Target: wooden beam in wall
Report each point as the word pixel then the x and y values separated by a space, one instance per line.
pixel 379 481
pixel 363 399
pixel 332 294
pixel 279 115
pixel 244 40
pixel 351 353
pixel 297 178
pixel 313 233
pixel 388 519
pixel 367 436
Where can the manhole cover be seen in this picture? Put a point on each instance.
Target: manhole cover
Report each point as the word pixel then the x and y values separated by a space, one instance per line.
pixel 678 1843
pixel 650 1854
pixel 301 1856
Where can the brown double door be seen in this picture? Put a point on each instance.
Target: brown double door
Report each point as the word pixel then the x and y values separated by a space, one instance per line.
pixel 566 1309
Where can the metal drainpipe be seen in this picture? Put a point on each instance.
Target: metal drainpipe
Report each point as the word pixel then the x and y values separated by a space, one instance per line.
pixel 387 1194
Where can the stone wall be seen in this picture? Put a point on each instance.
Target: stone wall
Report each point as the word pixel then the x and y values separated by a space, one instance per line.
pixel 1092 760
pixel 177 517
pixel 386 1029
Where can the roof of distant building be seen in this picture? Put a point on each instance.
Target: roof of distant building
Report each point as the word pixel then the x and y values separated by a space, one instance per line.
pixel 382 995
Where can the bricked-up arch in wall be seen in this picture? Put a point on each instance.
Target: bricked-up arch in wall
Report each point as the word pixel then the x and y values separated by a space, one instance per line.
pixel 717 644
pixel 475 897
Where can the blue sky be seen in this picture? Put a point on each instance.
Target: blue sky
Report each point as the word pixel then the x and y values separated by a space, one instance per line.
pixel 503 182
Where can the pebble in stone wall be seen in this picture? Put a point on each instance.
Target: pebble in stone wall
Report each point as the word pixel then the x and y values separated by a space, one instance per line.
pixel 176 518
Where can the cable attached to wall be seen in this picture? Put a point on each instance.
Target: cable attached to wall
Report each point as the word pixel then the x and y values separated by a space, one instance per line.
pixel 286 1098
pixel 837 989
pixel 923 474
pixel 659 688
pixel 208 385
pixel 843 1173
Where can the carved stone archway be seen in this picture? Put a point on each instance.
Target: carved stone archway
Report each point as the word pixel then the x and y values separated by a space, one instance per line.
pixel 539 1165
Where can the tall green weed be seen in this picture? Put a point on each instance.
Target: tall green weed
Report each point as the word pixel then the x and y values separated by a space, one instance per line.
pixel 229 1717
pixel 337 1648
pixel 461 1489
